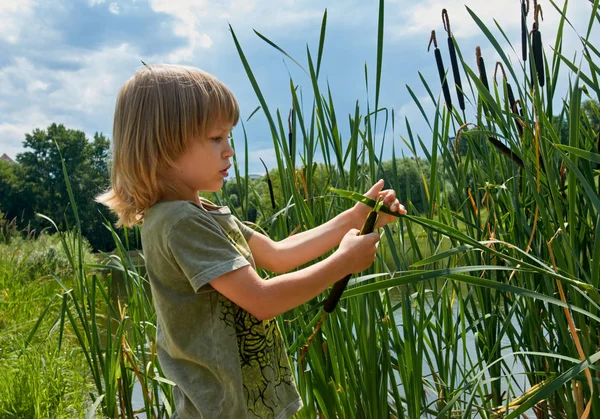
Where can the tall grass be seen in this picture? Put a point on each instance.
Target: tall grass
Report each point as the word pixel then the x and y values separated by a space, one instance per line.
pixel 504 265
pixel 527 247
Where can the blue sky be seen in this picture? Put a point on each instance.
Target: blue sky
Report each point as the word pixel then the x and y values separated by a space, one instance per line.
pixel 64 61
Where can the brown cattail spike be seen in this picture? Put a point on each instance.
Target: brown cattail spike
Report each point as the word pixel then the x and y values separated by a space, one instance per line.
pixel 518 111
pixel 481 68
pixel 506 151
pixel 536 46
pixel 524 12
pixel 291 145
pixel 453 61
pixel 509 91
pixel 440 67
pixel 270 184
pixel 339 287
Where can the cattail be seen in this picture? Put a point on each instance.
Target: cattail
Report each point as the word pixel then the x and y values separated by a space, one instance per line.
pixel 506 151
pixel 270 185
pixel 518 111
pixel 440 67
pixel 339 287
pixel 481 67
pixel 524 12
pixel 536 46
pixel 453 61
pixel 291 145
pixel 511 96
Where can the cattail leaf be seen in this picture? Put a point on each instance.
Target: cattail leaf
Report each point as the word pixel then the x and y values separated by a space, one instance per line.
pixel 418 103
pixel 591 193
pixel 254 83
pixel 457 273
pixel 252 113
pixel 588 155
pixel 268 41
pixel 545 391
pixel 321 41
pixel 380 26
pixel 575 68
pixel 489 99
pixel 441 256
pixel 595 272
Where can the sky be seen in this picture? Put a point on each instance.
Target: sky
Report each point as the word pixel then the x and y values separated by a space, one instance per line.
pixel 64 61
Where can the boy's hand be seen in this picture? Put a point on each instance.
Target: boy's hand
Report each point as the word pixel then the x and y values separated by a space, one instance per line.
pixel 358 251
pixel 389 198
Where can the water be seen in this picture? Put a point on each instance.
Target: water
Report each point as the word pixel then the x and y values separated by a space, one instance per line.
pixel 514 381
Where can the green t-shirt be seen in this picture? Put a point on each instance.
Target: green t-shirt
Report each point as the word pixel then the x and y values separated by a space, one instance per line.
pixel 225 362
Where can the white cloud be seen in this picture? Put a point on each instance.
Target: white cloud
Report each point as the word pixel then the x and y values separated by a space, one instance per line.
pixel 423 16
pixel 205 23
pixel 268 156
pixel 114 8
pixel 12 16
pixel 36 86
pixel 33 97
pixel 95 2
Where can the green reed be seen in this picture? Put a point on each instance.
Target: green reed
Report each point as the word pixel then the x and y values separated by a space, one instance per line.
pixel 523 255
pixel 508 250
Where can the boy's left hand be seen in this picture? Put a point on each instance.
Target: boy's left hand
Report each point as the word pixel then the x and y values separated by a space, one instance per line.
pixel 389 198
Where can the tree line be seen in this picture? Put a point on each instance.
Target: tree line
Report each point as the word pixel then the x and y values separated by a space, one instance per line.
pixel 35 184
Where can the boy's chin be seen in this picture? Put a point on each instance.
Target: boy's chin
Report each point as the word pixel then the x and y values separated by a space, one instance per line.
pixel 214 188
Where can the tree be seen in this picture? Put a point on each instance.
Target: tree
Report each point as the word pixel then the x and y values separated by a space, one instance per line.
pixel 410 180
pixel 37 184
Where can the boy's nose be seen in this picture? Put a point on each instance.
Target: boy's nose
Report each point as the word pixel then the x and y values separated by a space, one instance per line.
pixel 228 152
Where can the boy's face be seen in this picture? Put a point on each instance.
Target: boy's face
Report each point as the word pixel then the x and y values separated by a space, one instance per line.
pixel 204 165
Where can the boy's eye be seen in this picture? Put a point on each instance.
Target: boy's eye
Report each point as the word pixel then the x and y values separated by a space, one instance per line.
pixel 216 139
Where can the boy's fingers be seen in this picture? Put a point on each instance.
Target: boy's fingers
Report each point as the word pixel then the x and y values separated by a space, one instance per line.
pixel 375 189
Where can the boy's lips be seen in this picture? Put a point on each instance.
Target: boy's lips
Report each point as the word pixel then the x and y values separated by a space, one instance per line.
pixel 225 172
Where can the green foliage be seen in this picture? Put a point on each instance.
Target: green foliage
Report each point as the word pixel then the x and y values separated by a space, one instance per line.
pixel 40 384
pixel 36 184
pixel 31 258
pixel 412 175
pixel 41 381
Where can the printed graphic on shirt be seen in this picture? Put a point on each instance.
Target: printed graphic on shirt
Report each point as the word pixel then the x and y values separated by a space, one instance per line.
pixel 237 239
pixel 263 359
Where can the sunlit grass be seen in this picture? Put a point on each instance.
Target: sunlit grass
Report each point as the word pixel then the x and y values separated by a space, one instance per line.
pixel 485 304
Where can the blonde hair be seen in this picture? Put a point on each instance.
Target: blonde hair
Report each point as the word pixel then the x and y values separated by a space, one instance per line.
pixel 159 111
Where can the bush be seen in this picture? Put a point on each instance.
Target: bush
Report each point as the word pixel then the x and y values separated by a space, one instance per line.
pixel 30 258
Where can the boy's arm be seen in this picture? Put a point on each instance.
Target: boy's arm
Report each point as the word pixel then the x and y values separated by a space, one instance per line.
pixel 301 248
pixel 267 299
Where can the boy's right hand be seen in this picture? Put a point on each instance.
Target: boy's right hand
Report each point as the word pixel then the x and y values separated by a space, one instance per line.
pixel 358 252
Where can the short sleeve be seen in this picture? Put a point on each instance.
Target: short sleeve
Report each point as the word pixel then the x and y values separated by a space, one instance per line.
pixel 202 250
pixel 247 232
